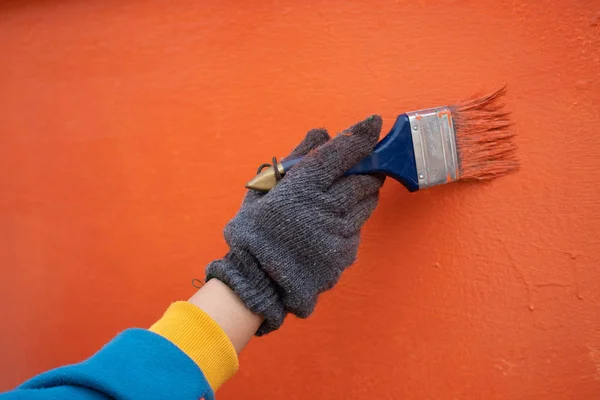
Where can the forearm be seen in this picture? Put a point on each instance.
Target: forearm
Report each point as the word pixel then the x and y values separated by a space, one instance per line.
pixel 137 364
pixel 211 329
pixel 202 336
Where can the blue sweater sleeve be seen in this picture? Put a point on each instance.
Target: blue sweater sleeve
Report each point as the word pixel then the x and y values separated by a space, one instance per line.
pixel 137 364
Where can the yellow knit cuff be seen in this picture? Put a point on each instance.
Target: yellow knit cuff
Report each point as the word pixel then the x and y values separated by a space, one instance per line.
pixel 201 338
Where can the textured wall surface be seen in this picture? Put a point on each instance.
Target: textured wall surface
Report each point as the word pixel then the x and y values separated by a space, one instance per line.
pixel 128 128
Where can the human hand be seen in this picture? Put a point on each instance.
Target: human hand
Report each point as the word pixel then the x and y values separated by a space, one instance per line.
pixel 292 243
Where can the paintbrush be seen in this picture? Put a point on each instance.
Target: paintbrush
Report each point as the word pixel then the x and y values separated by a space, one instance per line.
pixel 471 141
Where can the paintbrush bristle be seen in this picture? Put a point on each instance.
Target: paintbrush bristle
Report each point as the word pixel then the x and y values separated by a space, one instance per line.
pixel 484 137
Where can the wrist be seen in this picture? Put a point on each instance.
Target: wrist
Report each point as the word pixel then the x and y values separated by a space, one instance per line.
pixel 225 307
pixel 242 273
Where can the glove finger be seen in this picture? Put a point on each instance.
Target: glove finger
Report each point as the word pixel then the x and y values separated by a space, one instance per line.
pixel 346 149
pixel 252 196
pixel 313 139
pixel 354 220
pixel 348 191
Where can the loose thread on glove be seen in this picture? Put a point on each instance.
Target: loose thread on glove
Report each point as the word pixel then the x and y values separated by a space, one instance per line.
pixel 197 283
pixel 274 165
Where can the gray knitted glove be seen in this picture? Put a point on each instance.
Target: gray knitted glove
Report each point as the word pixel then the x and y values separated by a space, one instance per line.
pixel 292 243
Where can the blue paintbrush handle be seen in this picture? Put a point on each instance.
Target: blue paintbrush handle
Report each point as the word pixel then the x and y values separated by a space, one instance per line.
pixel 393 156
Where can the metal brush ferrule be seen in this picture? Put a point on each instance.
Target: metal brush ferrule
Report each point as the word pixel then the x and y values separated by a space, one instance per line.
pixel 434 144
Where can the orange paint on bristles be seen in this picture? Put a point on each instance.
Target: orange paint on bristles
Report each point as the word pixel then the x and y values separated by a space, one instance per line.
pixel 484 137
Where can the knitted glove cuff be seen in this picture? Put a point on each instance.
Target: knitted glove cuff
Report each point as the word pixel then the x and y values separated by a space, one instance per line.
pixel 244 275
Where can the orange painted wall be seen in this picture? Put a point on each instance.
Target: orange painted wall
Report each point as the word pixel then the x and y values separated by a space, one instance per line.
pixel 128 128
